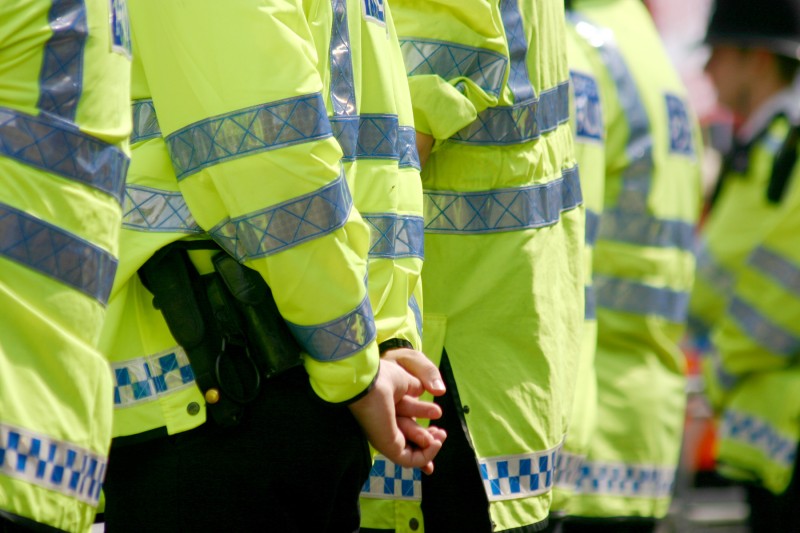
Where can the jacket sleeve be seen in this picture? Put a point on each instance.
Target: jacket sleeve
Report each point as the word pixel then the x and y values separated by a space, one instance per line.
pixel 238 95
pixel 456 59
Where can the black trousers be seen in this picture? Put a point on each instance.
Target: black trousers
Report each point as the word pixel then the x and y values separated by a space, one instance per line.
pixel 295 463
pixel 770 513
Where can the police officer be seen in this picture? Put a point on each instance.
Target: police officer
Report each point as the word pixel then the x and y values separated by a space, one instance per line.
pixel 64 124
pixel 503 274
pixel 643 270
pixel 746 295
pixel 255 122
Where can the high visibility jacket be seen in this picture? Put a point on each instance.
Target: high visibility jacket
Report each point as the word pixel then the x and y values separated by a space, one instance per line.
pixel 589 129
pixel 503 274
pixel 753 372
pixel 260 169
pixel 643 265
pixel 64 124
pixel 374 129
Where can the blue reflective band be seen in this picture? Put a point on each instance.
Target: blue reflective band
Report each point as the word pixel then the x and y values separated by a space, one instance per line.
pixel 568 468
pixel 759 434
pixel 762 330
pixel 407 148
pixel 450 60
pixel 517 476
pixel 590 299
pixel 61 76
pixel 503 209
pixel 376 137
pixel 628 296
pixel 592 227
pixel 518 80
pixel 394 236
pixel 619 224
pixel 521 122
pixel 414 305
pixel 588 112
pixel 343 92
pixel 145 379
pixel 625 480
pixel 724 379
pixel 680 127
pixel 282 226
pixel 246 132
pixel 712 273
pixel 778 268
pixel 56 253
pixel 55 465
pixel 339 338
pixel 51 145
pixel 389 481
pixel 145 121
pixel 147 209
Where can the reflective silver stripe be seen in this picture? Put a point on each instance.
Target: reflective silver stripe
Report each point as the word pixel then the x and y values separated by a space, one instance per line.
pixel 592 227
pixel 625 480
pixel 763 330
pixel 712 272
pixel 339 338
pixel 53 146
pixel 590 299
pixel 61 76
pixel 407 148
pixel 394 236
pixel 343 91
pixel 518 80
pixel 621 225
pixel 451 60
pixel 55 465
pixel 518 476
pixel 639 298
pixel 247 131
pixel 56 253
pixel 759 434
pixel 282 226
pixel 144 379
pixel 147 209
pixel 414 305
pixel 503 209
pixel 777 267
pixel 568 468
pixel 145 121
pixel 521 122
pixel 388 481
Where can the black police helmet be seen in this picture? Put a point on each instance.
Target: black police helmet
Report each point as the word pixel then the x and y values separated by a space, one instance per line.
pixel 771 24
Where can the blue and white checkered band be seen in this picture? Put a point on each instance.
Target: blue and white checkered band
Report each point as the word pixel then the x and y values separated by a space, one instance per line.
pixel 521 122
pixel 247 131
pixel 282 226
pixel 376 137
pixel 759 434
pixel 625 480
pixel 518 476
pixel 339 338
pixel 588 112
pixel 145 121
pixel 56 253
pixel 147 209
pixel 568 468
pixel 503 209
pixel 518 80
pixel 637 227
pixel 55 465
pixel 712 273
pixel 619 294
pixel 388 481
pixel 590 303
pixel 374 11
pixel 763 330
pixel 145 379
pixel 680 128
pixel 61 76
pixel 777 268
pixel 53 146
pixel 485 68
pixel 414 305
pixel 394 236
pixel 120 28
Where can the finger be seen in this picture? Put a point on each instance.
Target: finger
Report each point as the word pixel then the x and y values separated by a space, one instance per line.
pixel 414 433
pixel 437 433
pixel 402 381
pixel 419 457
pixel 416 408
pixel 418 365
